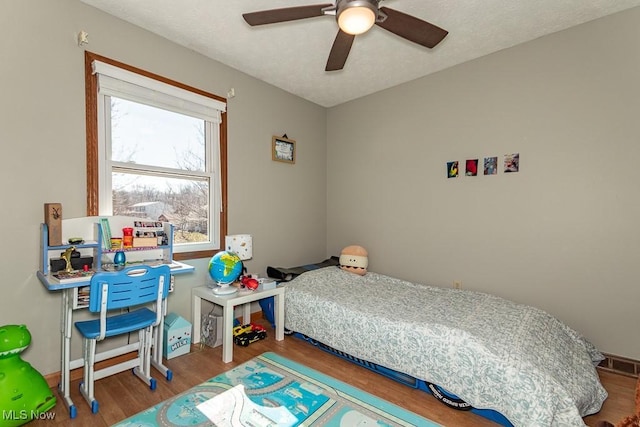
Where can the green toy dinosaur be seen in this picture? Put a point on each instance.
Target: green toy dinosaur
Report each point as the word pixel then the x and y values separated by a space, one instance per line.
pixel 24 393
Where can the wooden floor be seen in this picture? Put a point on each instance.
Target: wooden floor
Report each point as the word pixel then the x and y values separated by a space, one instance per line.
pixel 123 395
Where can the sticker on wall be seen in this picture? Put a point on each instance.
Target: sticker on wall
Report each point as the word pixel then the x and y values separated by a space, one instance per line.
pixel 452 169
pixel 511 162
pixel 490 165
pixel 471 167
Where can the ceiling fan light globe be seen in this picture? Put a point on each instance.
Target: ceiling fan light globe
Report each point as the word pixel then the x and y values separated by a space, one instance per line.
pixel 356 20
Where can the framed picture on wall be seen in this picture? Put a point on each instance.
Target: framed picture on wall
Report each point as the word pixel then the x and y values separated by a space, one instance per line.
pixel 452 169
pixel 511 162
pixel 283 149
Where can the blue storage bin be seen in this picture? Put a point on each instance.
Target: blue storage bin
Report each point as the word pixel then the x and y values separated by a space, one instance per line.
pixel 267 306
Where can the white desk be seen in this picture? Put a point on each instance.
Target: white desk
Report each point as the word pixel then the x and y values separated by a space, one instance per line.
pixel 228 302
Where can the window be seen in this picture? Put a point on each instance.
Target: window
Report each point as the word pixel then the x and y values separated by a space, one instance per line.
pixel 156 149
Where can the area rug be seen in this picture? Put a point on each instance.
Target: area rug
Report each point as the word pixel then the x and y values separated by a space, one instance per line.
pixel 271 380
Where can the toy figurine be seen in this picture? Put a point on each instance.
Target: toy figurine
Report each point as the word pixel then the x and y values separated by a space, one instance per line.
pixel 66 255
pixel 249 283
pixel 24 393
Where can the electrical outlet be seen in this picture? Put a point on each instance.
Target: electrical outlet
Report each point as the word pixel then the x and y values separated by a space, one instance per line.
pixel 457 284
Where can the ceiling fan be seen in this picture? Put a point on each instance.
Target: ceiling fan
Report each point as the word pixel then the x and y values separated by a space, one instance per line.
pixel 354 17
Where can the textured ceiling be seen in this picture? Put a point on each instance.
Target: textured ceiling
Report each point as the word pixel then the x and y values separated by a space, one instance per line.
pixel 292 55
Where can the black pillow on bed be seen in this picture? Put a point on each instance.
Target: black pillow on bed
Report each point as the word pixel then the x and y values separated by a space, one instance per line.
pixel 287 274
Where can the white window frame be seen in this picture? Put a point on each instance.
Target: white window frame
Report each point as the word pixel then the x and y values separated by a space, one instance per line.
pixel 125 84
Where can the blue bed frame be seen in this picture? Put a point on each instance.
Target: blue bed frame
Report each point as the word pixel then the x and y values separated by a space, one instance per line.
pixel 448 399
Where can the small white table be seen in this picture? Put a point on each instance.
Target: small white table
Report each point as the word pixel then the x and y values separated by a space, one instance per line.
pixel 228 302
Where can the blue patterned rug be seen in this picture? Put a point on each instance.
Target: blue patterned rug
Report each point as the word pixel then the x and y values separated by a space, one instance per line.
pixel 270 380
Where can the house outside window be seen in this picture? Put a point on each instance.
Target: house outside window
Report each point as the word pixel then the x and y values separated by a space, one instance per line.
pixel 160 154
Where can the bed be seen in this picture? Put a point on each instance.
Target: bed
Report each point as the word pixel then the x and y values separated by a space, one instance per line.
pixel 489 352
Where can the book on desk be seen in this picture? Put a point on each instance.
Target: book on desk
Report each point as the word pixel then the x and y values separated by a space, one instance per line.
pixel 78 276
pixel 71 276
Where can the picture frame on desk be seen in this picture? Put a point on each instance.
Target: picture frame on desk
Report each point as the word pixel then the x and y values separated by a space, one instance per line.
pixel 53 219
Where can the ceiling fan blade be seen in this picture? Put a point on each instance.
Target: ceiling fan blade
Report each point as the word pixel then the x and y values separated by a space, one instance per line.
pixel 412 28
pixel 339 51
pixel 286 14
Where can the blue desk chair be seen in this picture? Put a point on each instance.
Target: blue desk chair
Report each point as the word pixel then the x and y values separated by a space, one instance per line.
pixel 127 289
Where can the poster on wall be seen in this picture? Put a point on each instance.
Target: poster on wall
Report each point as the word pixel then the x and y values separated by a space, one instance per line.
pixel 452 169
pixel 490 165
pixel 511 162
pixel 471 167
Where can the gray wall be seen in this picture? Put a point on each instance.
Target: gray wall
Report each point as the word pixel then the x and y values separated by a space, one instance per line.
pixel 42 116
pixel 562 234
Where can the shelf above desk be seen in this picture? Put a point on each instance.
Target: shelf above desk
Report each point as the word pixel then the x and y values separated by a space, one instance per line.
pixel 93 245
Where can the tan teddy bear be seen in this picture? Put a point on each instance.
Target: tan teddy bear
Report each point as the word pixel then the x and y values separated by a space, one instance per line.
pixel 630 421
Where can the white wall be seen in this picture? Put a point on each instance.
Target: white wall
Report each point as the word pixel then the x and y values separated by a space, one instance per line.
pixel 42 129
pixel 562 233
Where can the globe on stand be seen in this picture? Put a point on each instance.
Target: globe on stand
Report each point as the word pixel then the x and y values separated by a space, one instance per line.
pixel 224 268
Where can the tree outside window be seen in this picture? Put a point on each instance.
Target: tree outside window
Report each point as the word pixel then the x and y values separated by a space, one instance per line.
pixel 158 162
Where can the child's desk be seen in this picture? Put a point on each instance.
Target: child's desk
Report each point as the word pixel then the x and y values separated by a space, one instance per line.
pixel 68 304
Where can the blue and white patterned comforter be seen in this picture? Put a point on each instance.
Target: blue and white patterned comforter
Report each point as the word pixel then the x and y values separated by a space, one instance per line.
pixel 491 352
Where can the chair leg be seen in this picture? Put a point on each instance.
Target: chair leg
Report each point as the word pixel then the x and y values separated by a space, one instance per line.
pixel 147 358
pixel 86 387
pixel 143 370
